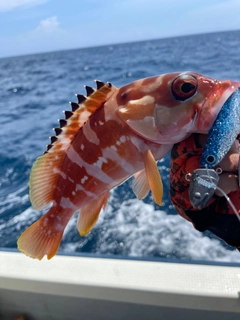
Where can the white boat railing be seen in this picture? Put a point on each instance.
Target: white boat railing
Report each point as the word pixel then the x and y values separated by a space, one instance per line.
pixel 78 287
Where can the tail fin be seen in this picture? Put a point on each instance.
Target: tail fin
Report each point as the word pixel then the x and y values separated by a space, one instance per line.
pixel 42 237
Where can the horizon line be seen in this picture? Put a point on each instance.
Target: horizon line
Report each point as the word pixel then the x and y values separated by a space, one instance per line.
pixel 120 43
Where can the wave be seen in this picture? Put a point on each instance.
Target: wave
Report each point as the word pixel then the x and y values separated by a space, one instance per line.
pixel 137 229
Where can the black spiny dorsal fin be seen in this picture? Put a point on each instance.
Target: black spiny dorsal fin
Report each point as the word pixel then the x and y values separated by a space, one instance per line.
pixel 81 98
pixel 99 84
pixel 53 139
pixel 89 90
pixel 68 114
pixel 62 122
pixel 74 106
pixel 58 131
pixel 49 146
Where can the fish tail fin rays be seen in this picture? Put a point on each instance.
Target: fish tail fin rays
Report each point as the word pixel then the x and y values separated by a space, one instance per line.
pixel 46 169
pixel 42 238
pixel 140 185
pixel 89 214
pixel 153 176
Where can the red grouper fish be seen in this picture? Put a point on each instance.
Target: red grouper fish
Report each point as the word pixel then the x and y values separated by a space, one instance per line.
pixel 110 135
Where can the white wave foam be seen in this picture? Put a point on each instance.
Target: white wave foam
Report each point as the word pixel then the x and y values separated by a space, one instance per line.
pixel 133 229
pixel 13 199
pixel 21 220
pixel 136 229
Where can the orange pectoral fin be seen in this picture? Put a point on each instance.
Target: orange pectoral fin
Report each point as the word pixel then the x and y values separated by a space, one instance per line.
pixel 153 176
pixel 140 184
pixel 89 214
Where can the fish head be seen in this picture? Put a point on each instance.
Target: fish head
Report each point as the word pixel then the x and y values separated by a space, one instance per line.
pixel 168 108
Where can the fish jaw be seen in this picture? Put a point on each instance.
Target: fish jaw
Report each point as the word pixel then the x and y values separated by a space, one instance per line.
pixel 214 101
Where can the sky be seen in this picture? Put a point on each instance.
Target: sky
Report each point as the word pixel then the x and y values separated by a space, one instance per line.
pixel 34 26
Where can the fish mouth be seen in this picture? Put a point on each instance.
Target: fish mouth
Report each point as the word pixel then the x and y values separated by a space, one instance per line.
pixel 214 103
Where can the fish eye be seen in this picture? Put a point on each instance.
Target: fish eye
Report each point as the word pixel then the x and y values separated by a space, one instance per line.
pixel 184 87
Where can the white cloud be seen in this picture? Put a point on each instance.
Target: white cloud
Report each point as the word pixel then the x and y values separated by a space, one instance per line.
pixel 48 25
pixel 8 5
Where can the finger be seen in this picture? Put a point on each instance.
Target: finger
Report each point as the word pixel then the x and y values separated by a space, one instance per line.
pixel 230 162
pixel 228 183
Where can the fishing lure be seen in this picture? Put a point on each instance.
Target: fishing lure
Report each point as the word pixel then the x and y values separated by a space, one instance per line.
pixel 225 129
pixel 223 132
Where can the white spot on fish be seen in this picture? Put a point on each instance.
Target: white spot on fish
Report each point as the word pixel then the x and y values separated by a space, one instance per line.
pixel 62 174
pixel 84 116
pixel 65 142
pixel 73 193
pixel 100 161
pixel 58 227
pixel 66 203
pixel 91 170
pixel 123 139
pixel 90 134
pixel 113 148
pixel 100 123
pixel 45 222
pixel 152 87
pixel 88 193
pixel 144 101
pixel 82 147
pixel 84 179
pixel 109 153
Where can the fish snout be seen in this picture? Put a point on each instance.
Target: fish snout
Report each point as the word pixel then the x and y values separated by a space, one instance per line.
pixel 213 104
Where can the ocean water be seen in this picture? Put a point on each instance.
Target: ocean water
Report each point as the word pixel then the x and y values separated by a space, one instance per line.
pixel 34 90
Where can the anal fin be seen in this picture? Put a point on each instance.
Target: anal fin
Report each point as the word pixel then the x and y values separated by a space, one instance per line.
pixel 153 176
pixel 89 214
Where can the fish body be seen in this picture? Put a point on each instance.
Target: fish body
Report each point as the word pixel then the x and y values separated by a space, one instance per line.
pixel 223 133
pixel 110 135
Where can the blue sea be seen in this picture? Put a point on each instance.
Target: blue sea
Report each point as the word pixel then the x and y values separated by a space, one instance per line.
pixel 35 89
